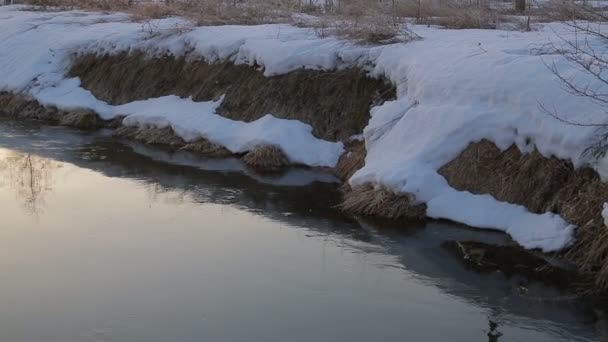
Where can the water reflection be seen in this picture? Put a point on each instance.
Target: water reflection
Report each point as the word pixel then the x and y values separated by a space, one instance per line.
pixel 29 176
pixel 409 256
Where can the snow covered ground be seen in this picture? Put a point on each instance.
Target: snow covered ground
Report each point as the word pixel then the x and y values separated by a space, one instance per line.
pixel 454 88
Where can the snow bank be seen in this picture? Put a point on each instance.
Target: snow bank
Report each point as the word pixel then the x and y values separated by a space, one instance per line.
pixel 38 47
pixel 454 88
pixel 192 120
pixel 458 87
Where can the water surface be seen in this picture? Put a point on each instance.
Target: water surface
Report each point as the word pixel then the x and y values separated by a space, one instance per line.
pixel 109 241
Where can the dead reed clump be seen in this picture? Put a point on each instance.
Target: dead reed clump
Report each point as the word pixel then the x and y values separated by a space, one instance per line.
pixel 590 252
pixel 542 185
pixel 266 158
pixel 85 120
pixel 367 200
pixel 165 137
pixel 351 161
pixel 205 147
pixel 23 107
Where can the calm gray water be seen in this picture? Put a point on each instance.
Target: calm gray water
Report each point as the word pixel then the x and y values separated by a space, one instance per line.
pixel 109 241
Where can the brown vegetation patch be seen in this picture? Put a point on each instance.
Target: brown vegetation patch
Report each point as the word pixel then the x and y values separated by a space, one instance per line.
pixel 510 260
pixel 81 120
pixel 367 200
pixel 151 135
pixel 336 104
pixel 207 148
pixel 460 17
pixel 22 107
pixel 267 158
pixel 351 161
pixel 542 185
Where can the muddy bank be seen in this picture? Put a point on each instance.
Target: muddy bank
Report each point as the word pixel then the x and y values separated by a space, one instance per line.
pixel 335 103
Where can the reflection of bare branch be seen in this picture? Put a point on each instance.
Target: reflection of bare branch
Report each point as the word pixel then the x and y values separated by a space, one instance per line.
pixel 30 176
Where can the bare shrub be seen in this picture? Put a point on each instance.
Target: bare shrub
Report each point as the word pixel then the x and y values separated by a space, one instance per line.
pixel 207 148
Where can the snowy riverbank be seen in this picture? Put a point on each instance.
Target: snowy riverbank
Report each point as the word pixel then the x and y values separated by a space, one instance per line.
pixel 454 88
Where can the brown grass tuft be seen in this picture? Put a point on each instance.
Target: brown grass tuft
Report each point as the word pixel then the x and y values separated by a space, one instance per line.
pixel 150 135
pixel 267 158
pixel 542 185
pixel 367 200
pixel 23 107
pixel 82 120
pixel 207 148
pixel 351 161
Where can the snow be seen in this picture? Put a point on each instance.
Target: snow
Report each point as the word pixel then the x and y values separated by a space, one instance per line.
pixel 192 120
pixel 39 47
pixel 454 88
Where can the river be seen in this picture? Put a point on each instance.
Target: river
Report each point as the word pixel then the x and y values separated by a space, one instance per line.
pixel 102 240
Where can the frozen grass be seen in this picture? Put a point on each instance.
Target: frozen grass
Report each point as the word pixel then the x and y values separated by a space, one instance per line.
pixel 268 158
pixel 368 200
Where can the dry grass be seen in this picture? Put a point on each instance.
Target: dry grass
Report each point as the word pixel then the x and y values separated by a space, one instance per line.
pixel 267 158
pixel 542 185
pixel 361 20
pixel 207 148
pixel 165 137
pixel 22 107
pixel 351 161
pixel 336 104
pixel 458 16
pixel 82 120
pixel 367 200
